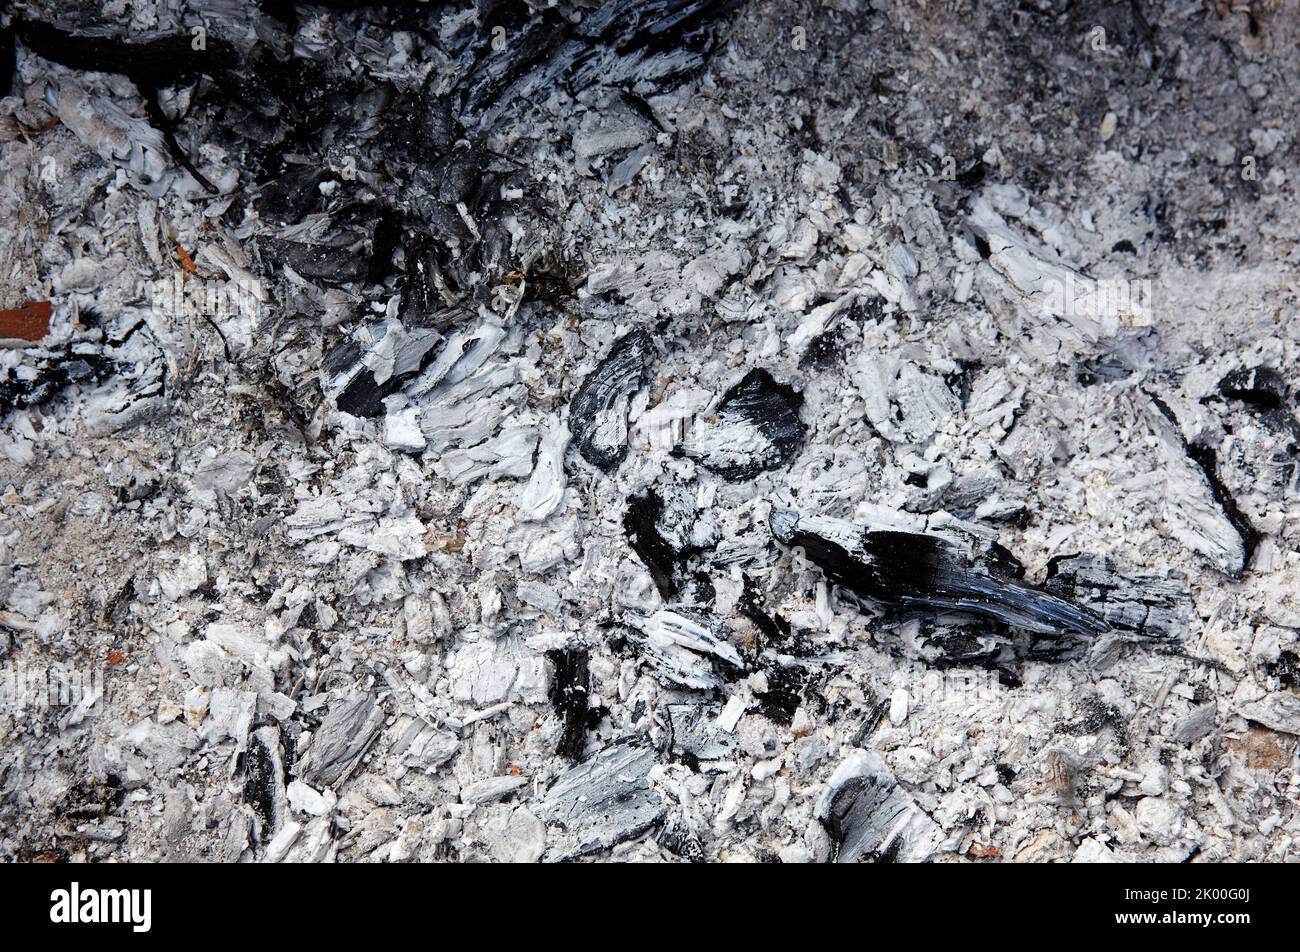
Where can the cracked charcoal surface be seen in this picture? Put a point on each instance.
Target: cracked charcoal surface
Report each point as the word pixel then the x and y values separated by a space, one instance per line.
pixel 618 430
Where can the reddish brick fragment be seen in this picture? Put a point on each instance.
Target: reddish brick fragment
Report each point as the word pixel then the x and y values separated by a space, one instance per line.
pixel 29 322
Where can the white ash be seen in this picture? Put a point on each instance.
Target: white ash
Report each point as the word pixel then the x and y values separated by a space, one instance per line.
pixel 328 635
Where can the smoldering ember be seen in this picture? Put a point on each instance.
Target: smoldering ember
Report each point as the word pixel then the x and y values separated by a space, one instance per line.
pixel 651 430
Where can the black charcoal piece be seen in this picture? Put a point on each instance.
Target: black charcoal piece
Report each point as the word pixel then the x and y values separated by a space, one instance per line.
pixel 916 570
pixel 598 415
pixel 570 695
pixel 620 42
pixel 354 386
pixel 666 535
pixel 787 687
pixel 364 397
pixel 774 632
pixel 756 428
pixel 53 374
pixel 1264 392
pixel 1154 607
pixel 641 523
pixel 264 779
pixel 292 196
pixel 1260 387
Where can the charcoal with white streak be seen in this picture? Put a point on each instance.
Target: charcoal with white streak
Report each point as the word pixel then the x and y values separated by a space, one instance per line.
pixel 929 572
pixel 666 531
pixel 1151 606
pixel 871 818
pixel 756 427
pixel 1263 391
pixel 598 414
pixel 621 41
pixel 601 801
pixel 344 735
pixel 374 363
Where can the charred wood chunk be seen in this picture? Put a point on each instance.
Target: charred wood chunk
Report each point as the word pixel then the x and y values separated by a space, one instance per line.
pixel 756 428
pixel 787 685
pixel 346 369
pixel 626 42
pixel 264 779
pixel 570 696
pixel 1260 387
pixel 641 524
pixel 601 801
pixel 1155 607
pixel 666 534
pixel 1264 392
pixel 334 264
pixel 52 376
pixel 917 570
pixel 870 818
pixel 291 197
pixel 598 415
pixel 774 632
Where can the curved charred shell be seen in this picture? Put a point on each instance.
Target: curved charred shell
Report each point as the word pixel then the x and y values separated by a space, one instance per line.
pixel 757 428
pixel 917 570
pixel 598 415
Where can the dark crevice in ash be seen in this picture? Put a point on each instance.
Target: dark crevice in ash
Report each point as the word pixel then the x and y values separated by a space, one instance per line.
pixel 1206 460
